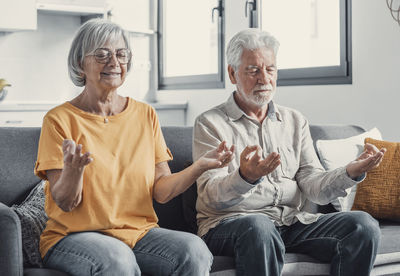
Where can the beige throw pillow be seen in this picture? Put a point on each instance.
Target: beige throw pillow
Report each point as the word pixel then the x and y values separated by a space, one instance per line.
pixel 338 153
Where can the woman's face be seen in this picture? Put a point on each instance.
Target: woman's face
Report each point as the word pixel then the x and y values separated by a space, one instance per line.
pixel 108 75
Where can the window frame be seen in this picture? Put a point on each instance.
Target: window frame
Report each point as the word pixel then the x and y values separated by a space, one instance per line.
pixel 204 81
pixel 322 75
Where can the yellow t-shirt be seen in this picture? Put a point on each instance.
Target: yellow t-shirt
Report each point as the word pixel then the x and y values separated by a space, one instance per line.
pixel 117 194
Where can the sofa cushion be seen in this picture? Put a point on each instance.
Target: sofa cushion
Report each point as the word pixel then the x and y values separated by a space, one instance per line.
pixel 18 150
pixel 379 193
pixel 338 153
pixel 33 219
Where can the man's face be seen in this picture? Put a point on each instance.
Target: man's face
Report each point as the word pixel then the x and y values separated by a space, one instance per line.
pixel 256 76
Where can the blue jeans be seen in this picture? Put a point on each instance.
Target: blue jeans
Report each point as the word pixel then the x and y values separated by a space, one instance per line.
pixel 159 252
pixel 347 240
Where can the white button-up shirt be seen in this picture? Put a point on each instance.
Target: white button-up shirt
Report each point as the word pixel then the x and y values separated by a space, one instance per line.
pixel 282 194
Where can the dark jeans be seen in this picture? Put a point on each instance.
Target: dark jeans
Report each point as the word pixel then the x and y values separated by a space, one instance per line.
pixel 347 240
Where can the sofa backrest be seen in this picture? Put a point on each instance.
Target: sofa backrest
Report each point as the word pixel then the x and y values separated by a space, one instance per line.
pixel 18 151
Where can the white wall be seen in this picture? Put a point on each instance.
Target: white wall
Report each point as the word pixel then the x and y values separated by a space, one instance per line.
pixel 35 62
pixel 372 100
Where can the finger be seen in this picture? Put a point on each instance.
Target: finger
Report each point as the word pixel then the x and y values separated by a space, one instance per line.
pixel 232 148
pixel 256 157
pixel 370 148
pixel 86 159
pixel 246 152
pixel 68 146
pixel 274 165
pixel 221 147
pixel 77 154
pixel 269 162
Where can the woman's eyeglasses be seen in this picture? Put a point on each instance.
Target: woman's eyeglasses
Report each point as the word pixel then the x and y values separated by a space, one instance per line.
pixel 103 55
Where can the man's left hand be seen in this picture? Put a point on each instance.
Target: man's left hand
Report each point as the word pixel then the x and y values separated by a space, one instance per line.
pixel 368 160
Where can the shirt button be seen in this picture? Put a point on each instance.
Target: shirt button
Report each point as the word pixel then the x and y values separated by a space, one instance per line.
pixel 105 120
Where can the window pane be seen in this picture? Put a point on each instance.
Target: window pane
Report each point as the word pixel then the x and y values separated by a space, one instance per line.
pixel 190 38
pixel 308 31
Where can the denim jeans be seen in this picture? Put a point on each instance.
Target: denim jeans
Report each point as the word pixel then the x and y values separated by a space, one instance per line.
pixel 159 252
pixel 346 240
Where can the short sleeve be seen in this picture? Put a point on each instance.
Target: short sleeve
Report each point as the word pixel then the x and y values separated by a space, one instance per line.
pixel 50 155
pixel 162 152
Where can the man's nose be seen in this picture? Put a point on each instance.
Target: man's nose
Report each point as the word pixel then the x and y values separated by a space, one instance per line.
pixel 264 77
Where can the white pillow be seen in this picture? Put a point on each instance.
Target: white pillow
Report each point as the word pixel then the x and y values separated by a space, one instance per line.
pixel 338 153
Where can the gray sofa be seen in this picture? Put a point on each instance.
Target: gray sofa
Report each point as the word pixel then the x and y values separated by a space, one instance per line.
pixel 17 156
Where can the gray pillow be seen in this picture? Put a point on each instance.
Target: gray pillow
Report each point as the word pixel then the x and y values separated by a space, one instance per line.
pixel 33 220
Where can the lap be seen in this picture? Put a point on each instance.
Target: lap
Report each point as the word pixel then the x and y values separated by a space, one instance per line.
pixel 325 233
pixel 161 250
pixel 85 252
pixel 223 239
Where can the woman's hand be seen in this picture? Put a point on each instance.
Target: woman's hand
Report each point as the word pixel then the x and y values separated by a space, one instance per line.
pixel 168 186
pixel 73 157
pixel 216 158
pixel 66 184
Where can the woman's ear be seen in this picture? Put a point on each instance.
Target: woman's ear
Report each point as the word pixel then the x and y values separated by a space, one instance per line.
pixel 231 73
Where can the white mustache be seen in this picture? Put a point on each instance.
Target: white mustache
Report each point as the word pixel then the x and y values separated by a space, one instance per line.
pixel 264 87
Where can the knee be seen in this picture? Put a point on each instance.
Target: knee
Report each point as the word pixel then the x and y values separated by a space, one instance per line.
pixel 119 259
pixel 366 228
pixel 261 229
pixel 195 256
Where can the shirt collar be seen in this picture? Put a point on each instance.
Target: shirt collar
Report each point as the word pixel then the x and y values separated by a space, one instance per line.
pixel 235 113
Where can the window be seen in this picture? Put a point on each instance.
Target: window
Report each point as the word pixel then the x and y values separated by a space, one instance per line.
pixel 315 38
pixel 190 44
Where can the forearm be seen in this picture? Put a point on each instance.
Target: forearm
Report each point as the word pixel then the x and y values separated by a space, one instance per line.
pixel 221 190
pixel 322 187
pixel 169 186
pixel 67 190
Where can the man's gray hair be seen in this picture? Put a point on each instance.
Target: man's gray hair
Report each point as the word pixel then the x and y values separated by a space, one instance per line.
pixel 93 34
pixel 249 39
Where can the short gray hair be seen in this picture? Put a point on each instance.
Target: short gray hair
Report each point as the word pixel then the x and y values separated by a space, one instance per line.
pixel 93 34
pixel 249 39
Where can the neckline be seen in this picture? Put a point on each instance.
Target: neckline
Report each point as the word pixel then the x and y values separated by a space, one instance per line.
pixel 97 117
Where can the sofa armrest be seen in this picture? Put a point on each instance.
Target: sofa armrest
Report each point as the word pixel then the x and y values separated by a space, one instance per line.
pixel 10 242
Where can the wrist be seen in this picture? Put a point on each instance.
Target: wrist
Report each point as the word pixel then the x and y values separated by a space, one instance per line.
pixel 247 179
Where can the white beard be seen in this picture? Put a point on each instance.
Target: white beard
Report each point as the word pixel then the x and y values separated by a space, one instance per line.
pixel 262 98
pixel 259 98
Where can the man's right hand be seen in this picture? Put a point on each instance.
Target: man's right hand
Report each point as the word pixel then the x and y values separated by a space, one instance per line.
pixel 73 157
pixel 254 167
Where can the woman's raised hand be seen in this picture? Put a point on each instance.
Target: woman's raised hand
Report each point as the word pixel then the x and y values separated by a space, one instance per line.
pixel 217 158
pixel 73 157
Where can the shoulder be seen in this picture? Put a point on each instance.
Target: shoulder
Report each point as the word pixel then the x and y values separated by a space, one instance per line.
pixel 289 114
pixel 215 115
pixel 142 108
pixel 58 113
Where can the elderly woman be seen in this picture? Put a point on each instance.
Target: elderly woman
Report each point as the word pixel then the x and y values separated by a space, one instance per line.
pixel 105 160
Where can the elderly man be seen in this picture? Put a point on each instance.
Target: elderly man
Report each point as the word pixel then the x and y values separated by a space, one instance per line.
pixel 253 210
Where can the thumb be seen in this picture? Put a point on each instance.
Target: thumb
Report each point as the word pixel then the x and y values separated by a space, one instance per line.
pixel 68 146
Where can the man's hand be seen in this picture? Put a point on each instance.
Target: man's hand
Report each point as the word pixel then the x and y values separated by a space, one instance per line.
pixel 216 158
pixel 368 160
pixel 254 167
pixel 73 157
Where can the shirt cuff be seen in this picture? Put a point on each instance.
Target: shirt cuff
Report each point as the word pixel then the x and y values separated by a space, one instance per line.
pixel 348 181
pixel 240 185
pixel 255 183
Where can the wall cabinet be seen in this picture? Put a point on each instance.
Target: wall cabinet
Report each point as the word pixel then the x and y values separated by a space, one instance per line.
pixel 73 7
pixel 18 15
